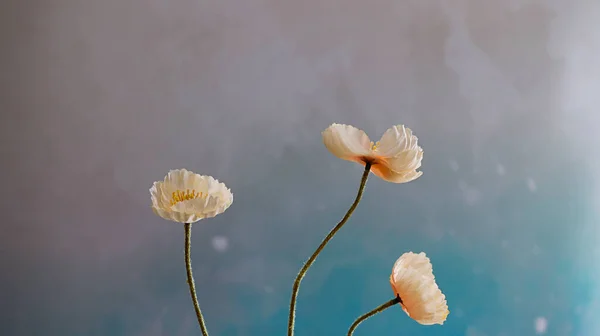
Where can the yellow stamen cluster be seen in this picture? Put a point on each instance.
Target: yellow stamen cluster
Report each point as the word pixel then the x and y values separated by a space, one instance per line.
pixel 180 196
pixel 374 145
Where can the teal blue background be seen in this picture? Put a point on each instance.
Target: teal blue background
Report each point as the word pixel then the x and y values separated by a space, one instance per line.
pixel 104 98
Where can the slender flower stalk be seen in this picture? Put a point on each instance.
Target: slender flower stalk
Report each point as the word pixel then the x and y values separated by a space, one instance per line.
pixel 313 257
pixel 190 278
pixel 375 311
pixel 186 197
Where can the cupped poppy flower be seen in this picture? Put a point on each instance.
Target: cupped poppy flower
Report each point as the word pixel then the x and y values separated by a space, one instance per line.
pixel 186 197
pixel 413 282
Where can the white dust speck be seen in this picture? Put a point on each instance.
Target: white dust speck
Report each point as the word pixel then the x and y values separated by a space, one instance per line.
pixel 269 289
pixel 453 165
pixel 531 184
pixel 536 250
pixel 504 244
pixel 540 324
pixel 500 170
pixel 220 243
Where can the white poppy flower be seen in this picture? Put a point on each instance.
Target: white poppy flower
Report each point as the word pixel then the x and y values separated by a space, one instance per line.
pixel 394 158
pixel 186 197
pixel 413 281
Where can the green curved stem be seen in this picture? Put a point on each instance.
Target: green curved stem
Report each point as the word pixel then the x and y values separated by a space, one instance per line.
pixel 190 277
pixel 313 257
pixel 375 311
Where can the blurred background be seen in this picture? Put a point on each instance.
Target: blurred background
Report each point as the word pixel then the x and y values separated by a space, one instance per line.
pixel 99 99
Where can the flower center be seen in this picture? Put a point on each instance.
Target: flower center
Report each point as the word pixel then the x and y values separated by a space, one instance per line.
pixel 180 196
pixel 374 145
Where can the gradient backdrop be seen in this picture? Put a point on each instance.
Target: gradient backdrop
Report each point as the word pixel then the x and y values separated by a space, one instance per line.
pixel 101 98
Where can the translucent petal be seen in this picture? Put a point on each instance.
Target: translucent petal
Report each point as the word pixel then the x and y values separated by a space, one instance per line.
pixel 158 195
pixel 180 217
pixel 347 142
pixel 405 161
pixel 384 172
pixel 395 141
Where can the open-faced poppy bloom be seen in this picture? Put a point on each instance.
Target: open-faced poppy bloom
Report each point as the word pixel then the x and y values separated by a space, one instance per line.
pixel 186 197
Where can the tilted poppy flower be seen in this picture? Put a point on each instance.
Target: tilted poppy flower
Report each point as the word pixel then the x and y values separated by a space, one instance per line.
pixel 394 158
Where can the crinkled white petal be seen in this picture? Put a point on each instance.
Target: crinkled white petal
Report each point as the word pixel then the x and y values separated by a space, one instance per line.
pixel 215 199
pixel 413 280
pixel 395 141
pixel 157 195
pixel 399 155
pixel 347 142
pixel 183 179
pixel 409 160
pixel 180 217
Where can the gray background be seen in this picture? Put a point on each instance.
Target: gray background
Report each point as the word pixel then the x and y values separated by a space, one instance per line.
pixel 101 98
